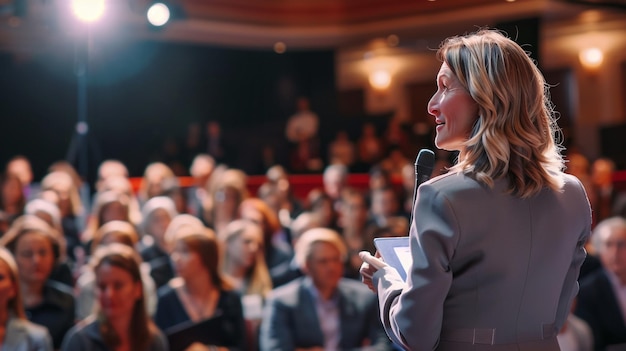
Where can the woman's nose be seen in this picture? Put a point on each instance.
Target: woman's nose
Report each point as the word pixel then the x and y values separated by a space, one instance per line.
pixel 433 105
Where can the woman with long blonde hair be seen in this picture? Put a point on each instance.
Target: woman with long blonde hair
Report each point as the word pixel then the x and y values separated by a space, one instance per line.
pixel 497 243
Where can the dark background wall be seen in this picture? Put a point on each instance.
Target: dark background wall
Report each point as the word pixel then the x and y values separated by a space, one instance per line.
pixel 139 94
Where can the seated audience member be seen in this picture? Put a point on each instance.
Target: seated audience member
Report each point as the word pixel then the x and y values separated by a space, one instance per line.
pixel 244 263
pixel 50 214
pixel 157 215
pixel 122 185
pixel 322 311
pixel 21 167
pixel 12 200
pixel 200 170
pixel 121 322
pixel 226 193
pixel 84 192
pixel 384 206
pixel 286 204
pixel 394 162
pixel 36 249
pixel 162 267
pixel 341 150
pixel 154 177
pixel 119 232
pixel 277 249
pixel 608 201
pixel 356 230
pixel 334 181
pixel 286 273
pixel 602 298
pixel 110 168
pixel 369 146
pixel 109 206
pixel 244 259
pixel 379 178
pixel 200 291
pixel 320 206
pixel 70 205
pixel 18 332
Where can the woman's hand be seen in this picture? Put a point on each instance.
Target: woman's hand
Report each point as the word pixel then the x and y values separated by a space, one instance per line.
pixel 370 265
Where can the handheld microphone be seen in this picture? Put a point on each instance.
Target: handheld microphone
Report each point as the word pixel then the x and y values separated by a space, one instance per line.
pixel 424 164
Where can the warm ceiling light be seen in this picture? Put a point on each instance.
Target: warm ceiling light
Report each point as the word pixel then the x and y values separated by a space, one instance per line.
pixel 510 0
pixel 591 58
pixel 280 47
pixel 393 40
pixel 380 79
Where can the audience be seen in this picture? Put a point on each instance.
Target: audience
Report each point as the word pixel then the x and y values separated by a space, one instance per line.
pixel 246 281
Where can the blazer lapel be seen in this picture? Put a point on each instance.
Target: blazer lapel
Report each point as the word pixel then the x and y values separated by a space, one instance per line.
pixel 348 313
pixel 613 309
pixel 306 317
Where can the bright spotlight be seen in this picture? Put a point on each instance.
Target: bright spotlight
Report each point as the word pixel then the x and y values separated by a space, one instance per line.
pixel 158 14
pixel 88 10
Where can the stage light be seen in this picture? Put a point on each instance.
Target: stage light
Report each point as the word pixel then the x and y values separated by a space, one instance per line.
pixel 380 79
pixel 591 58
pixel 158 14
pixel 88 10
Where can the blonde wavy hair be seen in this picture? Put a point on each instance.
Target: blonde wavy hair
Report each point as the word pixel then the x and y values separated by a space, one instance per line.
pixel 515 135
pixel 258 280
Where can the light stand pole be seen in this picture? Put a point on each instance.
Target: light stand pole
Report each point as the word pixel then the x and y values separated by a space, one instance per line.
pixel 78 150
pixel 86 12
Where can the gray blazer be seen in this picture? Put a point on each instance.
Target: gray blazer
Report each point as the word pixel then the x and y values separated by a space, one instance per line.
pixel 290 319
pixel 22 335
pixel 490 271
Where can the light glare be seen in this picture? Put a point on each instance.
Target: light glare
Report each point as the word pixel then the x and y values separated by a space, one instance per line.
pixel 591 58
pixel 380 79
pixel 88 10
pixel 158 14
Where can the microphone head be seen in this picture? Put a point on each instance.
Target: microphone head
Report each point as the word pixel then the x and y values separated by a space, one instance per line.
pixel 425 162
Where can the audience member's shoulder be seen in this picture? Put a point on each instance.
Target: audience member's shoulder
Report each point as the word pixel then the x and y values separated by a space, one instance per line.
pixel 34 331
pixel 167 290
pixel 354 286
pixel 59 294
pixel 591 280
pixel 81 332
pixel 287 290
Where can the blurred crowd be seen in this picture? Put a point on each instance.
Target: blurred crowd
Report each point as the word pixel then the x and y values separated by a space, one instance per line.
pixel 133 269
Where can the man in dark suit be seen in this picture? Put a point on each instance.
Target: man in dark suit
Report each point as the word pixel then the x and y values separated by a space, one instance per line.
pixel 322 310
pixel 602 296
